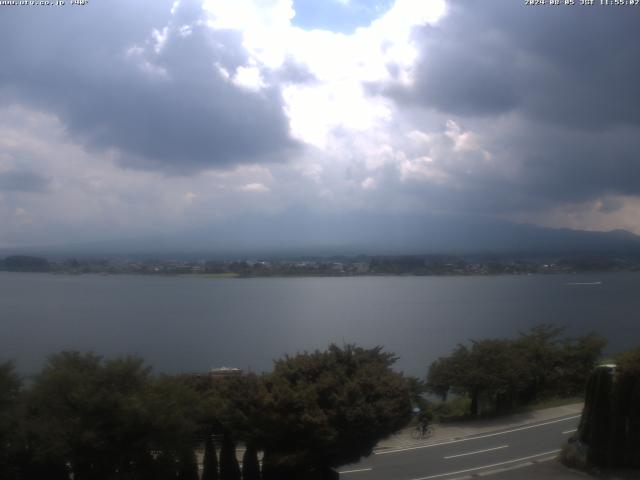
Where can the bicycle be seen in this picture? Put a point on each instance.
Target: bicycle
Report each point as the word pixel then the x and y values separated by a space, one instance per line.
pixel 420 433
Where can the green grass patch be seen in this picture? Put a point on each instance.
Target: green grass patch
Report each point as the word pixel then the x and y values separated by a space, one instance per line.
pixel 454 409
pixel 551 403
pixel 457 408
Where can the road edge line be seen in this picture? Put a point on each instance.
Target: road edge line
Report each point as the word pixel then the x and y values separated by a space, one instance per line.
pixel 468 438
pixel 553 453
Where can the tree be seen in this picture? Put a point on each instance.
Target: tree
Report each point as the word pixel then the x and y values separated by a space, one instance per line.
pixel 540 347
pixel 499 371
pixel 64 413
pixel 210 461
pixel 446 373
pixel 174 414
pixel 229 468
pixel 578 357
pixel 105 418
pixel 250 464
pixel 326 409
pixel 188 465
pixel 505 372
pixel 164 467
pixel 490 369
pixel 9 391
pixel 234 408
pixel 236 405
pixel 417 388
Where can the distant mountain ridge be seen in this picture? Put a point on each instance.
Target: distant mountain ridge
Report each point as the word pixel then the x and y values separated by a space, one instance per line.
pixel 299 234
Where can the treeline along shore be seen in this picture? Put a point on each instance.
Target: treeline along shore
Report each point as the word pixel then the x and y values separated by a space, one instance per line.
pixel 85 417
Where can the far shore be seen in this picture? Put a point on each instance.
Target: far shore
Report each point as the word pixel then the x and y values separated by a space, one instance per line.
pixel 232 275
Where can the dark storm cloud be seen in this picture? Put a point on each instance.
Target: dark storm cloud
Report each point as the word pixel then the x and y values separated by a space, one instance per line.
pixel 550 91
pixel 161 104
pixel 23 181
pixel 571 165
pixel 456 77
pixel 575 66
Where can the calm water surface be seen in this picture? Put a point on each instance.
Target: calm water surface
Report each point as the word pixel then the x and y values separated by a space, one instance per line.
pixel 192 324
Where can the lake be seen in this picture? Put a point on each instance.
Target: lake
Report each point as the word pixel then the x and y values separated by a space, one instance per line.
pixel 192 324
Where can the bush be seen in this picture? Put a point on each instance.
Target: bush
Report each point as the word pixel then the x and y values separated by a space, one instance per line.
pixel 453 409
pixel 326 409
pixel 574 455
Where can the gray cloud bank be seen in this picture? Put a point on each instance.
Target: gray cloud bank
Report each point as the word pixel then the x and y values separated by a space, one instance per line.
pixel 23 181
pixel 571 66
pixel 516 112
pixel 158 99
pixel 552 91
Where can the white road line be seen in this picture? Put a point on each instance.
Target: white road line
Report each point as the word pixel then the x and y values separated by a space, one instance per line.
pixel 488 466
pixel 477 451
pixel 567 432
pixel 356 471
pixel 385 452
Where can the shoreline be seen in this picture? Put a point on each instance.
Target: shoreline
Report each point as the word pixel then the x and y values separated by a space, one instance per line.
pixel 232 275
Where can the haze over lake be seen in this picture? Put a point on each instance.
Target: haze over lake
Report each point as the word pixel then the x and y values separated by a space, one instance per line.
pixel 192 324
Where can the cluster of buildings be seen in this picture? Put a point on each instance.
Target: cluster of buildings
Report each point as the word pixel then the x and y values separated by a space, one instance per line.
pixel 336 266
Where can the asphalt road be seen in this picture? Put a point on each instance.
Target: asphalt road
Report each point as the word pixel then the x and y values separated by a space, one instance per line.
pixel 466 456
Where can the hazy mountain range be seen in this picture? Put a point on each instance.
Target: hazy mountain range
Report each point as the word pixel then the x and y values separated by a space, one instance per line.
pixel 298 234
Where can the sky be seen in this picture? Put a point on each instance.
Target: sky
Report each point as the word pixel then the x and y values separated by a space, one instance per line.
pixel 130 119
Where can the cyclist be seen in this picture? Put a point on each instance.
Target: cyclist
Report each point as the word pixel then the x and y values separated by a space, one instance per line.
pixel 424 419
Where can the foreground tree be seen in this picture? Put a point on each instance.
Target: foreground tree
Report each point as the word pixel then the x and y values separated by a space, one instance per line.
pixel 539 347
pixel 326 409
pixel 68 405
pixel 250 464
pixel 174 416
pixel 88 418
pixel 229 468
pixel 9 392
pixel 188 465
pixel 106 418
pixel 210 460
pixel 489 369
pixel 579 356
pixel 447 373
pixel 236 407
pixel 503 373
